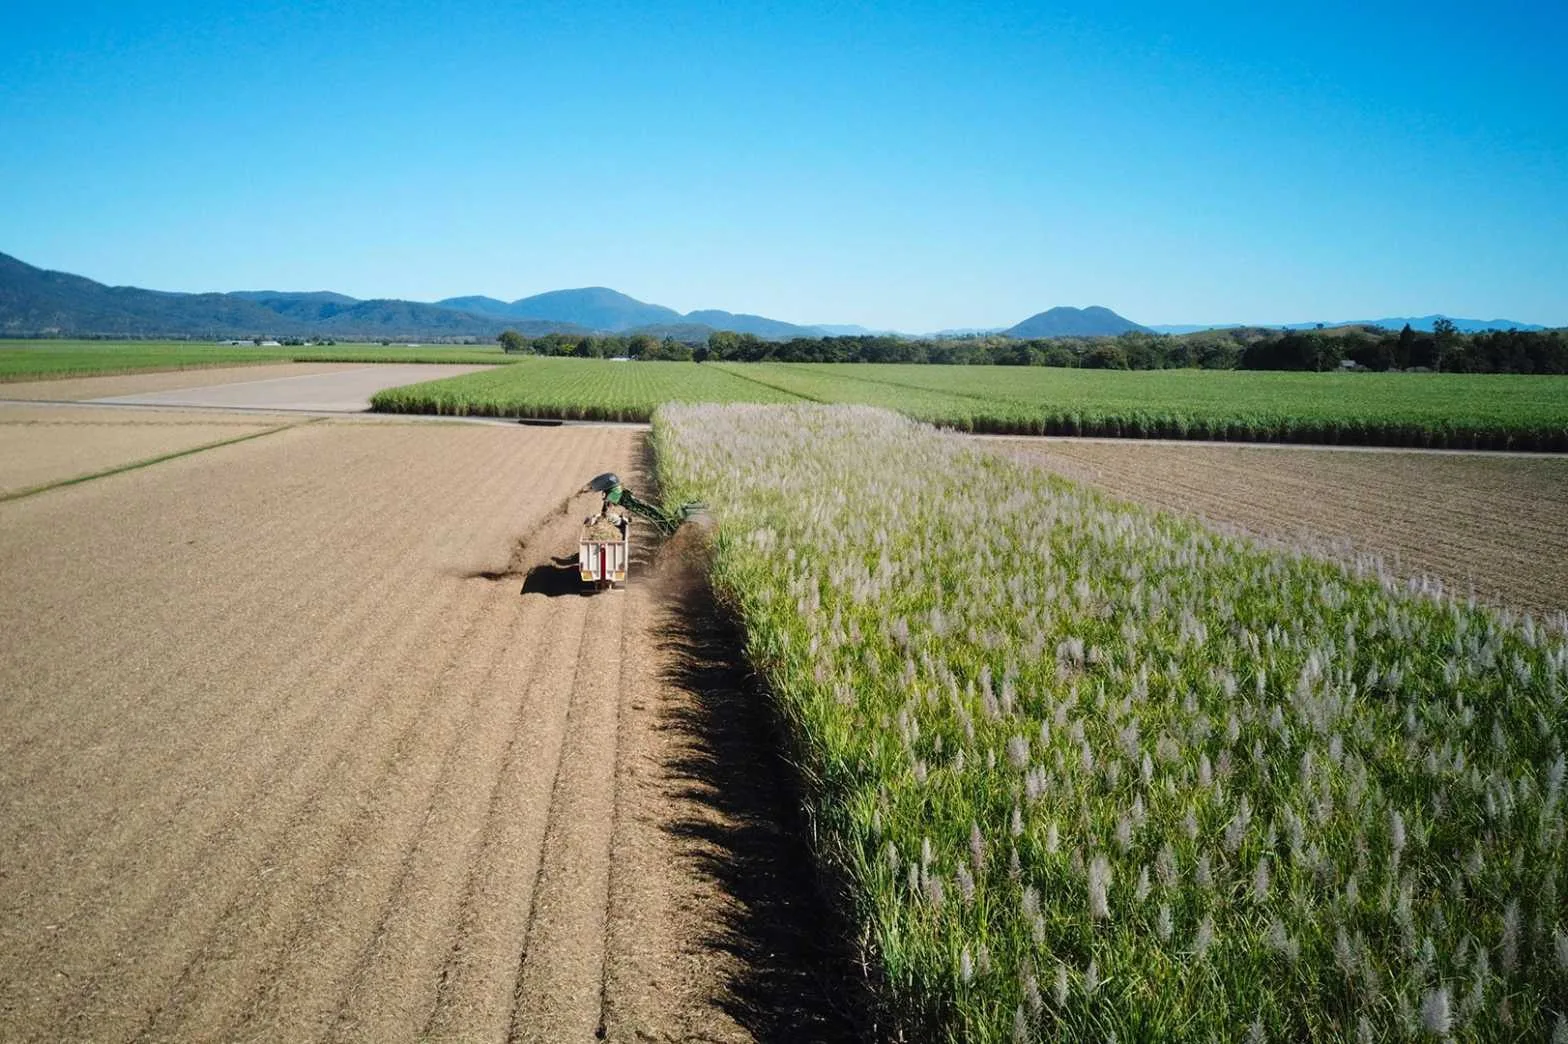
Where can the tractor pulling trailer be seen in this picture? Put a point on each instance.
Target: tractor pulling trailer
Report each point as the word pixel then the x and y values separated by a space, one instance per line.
pixel 604 551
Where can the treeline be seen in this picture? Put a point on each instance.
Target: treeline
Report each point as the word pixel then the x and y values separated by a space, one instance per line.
pixel 604 346
pixel 1445 349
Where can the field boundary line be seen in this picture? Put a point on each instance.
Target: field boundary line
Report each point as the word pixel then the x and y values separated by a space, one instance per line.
pixel 149 462
pixel 725 368
pixel 881 383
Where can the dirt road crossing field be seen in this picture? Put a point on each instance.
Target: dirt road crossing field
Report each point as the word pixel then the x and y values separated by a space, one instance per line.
pixel 302 744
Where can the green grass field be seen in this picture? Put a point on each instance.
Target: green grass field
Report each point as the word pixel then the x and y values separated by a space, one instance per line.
pixel 1441 410
pixel 41 360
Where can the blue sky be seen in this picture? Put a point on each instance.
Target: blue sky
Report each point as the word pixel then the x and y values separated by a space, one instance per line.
pixel 910 165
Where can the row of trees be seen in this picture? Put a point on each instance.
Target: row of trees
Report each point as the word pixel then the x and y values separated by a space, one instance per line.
pixel 609 346
pixel 1372 348
pixel 1444 349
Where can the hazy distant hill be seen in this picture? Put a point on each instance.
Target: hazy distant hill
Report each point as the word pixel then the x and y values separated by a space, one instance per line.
pixel 1093 321
pixel 767 329
pixel 850 330
pixel 600 308
pixel 1422 323
pixel 691 333
pixel 1425 322
pixel 1187 328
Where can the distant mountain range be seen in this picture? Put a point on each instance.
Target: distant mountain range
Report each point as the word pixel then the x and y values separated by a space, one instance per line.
pixel 38 302
pixel 35 301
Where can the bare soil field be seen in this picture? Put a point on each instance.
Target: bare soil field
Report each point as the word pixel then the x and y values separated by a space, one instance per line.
pixel 1495 526
pixel 83 389
pixel 337 391
pixel 315 737
pixel 40 445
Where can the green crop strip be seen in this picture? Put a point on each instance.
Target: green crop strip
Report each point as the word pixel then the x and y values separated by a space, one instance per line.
pixel 45 360
pixel 1422 410
pixel 576 389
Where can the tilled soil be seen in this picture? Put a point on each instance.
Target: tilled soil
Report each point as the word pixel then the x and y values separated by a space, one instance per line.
pixel 303 744
pixel 1488 525
pixel 40 445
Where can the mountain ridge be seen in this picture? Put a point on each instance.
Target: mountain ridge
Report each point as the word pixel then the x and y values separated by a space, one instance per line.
pixel 36 301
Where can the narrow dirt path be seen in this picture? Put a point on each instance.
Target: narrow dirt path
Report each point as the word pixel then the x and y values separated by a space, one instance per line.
pixel 303 744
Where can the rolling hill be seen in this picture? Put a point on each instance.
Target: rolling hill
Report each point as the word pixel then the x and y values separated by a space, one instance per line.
pixel 590 307
pixel 1093 321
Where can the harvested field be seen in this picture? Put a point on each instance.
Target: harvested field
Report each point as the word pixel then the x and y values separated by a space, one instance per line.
pixel 1493 525
pixel 82 389
pixel 40 445
pixel 303 744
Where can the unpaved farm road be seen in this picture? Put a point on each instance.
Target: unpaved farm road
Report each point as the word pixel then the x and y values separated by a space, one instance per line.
pixel 301 744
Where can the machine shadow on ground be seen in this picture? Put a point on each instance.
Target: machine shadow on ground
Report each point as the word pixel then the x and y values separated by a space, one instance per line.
pixel 556 578
pixel 801 980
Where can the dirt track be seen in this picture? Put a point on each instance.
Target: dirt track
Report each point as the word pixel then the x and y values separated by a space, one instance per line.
pixel 1493 525
pixel 302 745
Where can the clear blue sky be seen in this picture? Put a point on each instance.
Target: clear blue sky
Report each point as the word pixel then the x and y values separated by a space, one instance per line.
pixel 910 165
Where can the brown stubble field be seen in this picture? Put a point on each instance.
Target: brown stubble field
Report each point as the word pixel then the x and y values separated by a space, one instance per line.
pixel 303 742
pixel 1490 524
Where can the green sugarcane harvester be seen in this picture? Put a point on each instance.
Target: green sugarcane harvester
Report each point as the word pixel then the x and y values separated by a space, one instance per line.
pixel 614 493
pixel 604 552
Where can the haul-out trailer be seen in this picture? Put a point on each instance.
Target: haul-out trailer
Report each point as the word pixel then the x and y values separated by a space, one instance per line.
pixel 604 552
